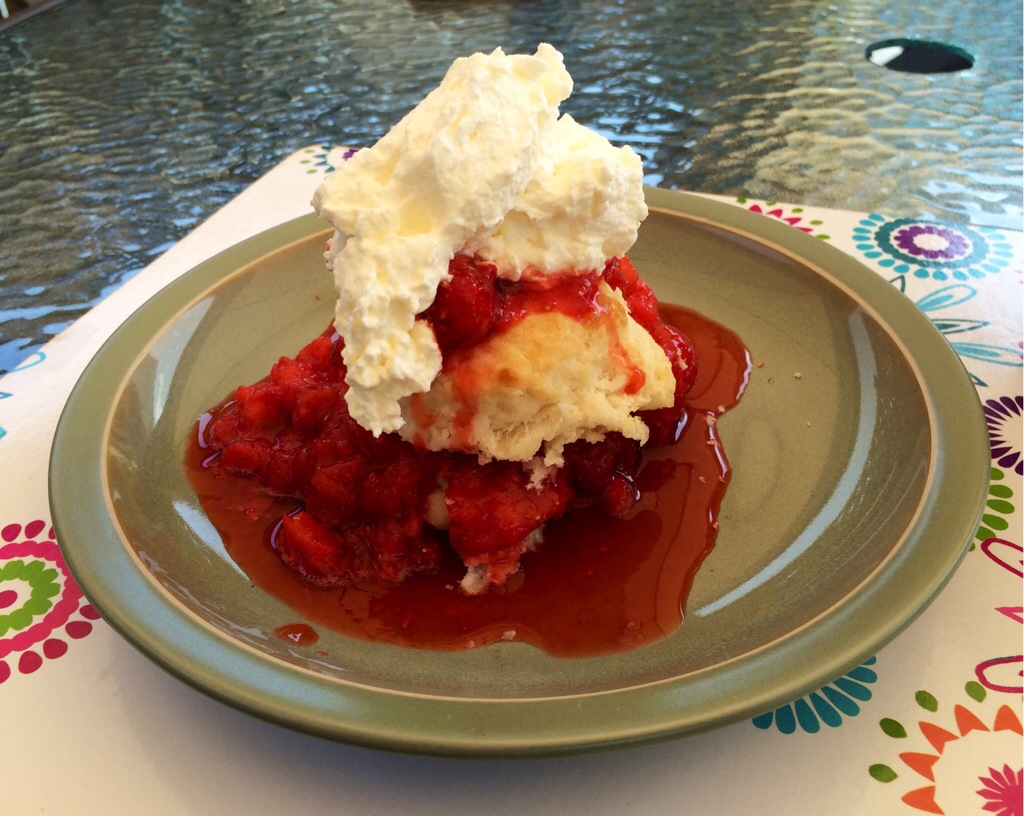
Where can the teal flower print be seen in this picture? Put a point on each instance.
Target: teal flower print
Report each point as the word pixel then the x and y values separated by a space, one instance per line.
pixel 828 705
pixel 954 295
pixel 925 249
pixel 320 159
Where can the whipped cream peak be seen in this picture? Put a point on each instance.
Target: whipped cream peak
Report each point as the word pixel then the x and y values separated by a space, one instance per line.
pixel 482 165
pixel 582 207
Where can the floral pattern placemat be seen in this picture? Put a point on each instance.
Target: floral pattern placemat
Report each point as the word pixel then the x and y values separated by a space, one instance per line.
pixel 931 724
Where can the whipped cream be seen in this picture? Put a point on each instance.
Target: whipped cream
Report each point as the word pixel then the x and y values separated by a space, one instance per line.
pixel 482 165
pixel 582 207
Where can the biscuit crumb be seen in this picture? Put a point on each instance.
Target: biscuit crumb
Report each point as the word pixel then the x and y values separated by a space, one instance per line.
pixel 798 376
pixel 761 364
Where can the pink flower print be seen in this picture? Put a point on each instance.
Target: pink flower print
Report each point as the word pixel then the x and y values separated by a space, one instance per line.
pixel 794 216
pixel 1004 791
pixel 40 603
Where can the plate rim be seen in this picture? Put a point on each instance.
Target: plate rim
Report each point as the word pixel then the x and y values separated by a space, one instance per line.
pixel 131 601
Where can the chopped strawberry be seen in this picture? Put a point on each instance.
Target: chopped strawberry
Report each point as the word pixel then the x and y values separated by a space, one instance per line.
pixel 389 490
pixel 333 491
pixel 621 274
pixel 680 353
pixel 398 548
pixel 310 548
pixel 315 357
pixel 620 496
pixel 591 465
pixel 466 305
pixel 287 372
pixel 643 306
pixel 493 507
pixel 223 428
pixel 245 455
pixel 311 406
pixel 666 424
pixel 279 473
pixel 259 407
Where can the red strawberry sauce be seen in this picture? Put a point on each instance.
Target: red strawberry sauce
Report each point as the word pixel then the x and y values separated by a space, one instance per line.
pixel 296 490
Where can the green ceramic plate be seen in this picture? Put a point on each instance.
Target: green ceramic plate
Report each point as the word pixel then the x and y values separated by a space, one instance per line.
pixel 856 489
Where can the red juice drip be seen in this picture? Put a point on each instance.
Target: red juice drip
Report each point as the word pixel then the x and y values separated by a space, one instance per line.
pixel 597 585
pixel 301 634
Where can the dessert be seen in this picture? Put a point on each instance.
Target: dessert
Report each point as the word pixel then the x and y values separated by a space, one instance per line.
pixel 495 360
pixel 482 166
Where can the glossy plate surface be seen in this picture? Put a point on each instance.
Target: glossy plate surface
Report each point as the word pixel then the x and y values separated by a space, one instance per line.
pixel 860 463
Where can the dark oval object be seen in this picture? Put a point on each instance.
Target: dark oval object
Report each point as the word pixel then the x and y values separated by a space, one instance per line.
pixel 919 56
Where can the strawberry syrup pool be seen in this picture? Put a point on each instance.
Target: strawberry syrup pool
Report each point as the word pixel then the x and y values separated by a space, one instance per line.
pixel 597 585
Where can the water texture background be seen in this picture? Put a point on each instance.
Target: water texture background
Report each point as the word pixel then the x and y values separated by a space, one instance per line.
pixel 124 124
